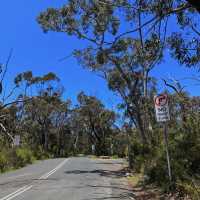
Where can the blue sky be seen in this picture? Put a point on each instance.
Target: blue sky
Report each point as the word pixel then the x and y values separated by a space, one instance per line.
pixel 39 52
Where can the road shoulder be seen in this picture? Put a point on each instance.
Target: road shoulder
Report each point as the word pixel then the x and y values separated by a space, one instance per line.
pixel 116 172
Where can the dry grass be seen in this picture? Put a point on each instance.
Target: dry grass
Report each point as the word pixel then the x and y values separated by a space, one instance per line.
pixel 142 191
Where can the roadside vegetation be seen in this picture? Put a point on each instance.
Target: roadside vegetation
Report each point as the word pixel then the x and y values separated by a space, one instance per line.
pixel 15 158
pixel 124 42
pixel 49 126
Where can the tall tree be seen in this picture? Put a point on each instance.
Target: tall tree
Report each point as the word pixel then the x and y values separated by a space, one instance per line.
pixel 96 121
pixel 126 40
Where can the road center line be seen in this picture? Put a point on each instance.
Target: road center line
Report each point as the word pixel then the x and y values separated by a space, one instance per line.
pixel 45 176
pixel 20 192
pixel 28 187
pixel 13 193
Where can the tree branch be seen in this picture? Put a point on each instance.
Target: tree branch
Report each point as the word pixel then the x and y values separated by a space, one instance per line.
pixel 155 18
pixel 195 4
pixel 6 66
pixel 15 102
pixel 4 129
pixel 195 30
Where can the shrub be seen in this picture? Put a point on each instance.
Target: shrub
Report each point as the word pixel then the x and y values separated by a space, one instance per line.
pixel 3 161
pixel 188 189
pixel 40 154
pixel 20 157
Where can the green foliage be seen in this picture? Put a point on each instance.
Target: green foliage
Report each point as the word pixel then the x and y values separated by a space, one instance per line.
pixel 23 156
pixel 3 161
pixel 189 188
pixel 126 40
pixel 120 145
pixel 49 127
pixel 15 158
pixel 97 123
pixel 184 140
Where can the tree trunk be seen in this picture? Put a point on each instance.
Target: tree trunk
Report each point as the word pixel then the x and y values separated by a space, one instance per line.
pixel 141 128
pixel 46 140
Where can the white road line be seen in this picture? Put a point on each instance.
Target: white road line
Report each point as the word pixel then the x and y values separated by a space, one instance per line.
pixel 28 187
pixel 52 172
pixel 13 193
pixel 45 176
pixel 20 192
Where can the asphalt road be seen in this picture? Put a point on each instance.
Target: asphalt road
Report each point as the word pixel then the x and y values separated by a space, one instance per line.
pixel 65 179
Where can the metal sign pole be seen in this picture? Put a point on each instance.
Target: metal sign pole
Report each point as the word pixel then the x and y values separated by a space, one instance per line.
pixel 163 115
pixel 167 151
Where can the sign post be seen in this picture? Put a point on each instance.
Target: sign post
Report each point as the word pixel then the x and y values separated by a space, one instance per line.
pixel 167 152
pixel 162 115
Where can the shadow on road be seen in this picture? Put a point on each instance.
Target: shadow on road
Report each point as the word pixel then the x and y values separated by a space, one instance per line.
pixel 106 173
pixel 110 163
pixel 118 193
pixel 118 190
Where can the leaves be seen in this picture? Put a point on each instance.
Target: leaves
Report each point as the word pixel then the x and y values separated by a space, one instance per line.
pixel 185 52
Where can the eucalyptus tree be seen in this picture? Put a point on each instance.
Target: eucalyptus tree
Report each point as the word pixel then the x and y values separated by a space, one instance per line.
pixel 96 122
pixel 125 40
pixel 60 131
pixel 45 108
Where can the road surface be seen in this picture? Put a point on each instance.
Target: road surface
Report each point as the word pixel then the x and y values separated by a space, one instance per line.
pixel 65 179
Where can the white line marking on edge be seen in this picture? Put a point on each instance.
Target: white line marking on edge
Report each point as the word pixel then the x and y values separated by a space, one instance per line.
pixel 28 187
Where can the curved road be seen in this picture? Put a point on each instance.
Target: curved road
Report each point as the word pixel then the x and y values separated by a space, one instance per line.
pixel 66 179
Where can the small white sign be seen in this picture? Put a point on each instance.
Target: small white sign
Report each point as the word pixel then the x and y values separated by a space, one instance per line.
pixel 93 148
pixel 16 140
pixel 162 108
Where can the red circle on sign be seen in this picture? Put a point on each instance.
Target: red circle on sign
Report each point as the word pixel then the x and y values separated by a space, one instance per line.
pixel 161 100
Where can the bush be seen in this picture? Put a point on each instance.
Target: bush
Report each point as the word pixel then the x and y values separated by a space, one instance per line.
pixel 13 158
pixel 141 156
pixel 3 161
pixel 40 154
pixel 188 189
pixel 184 151
pixel 24 156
